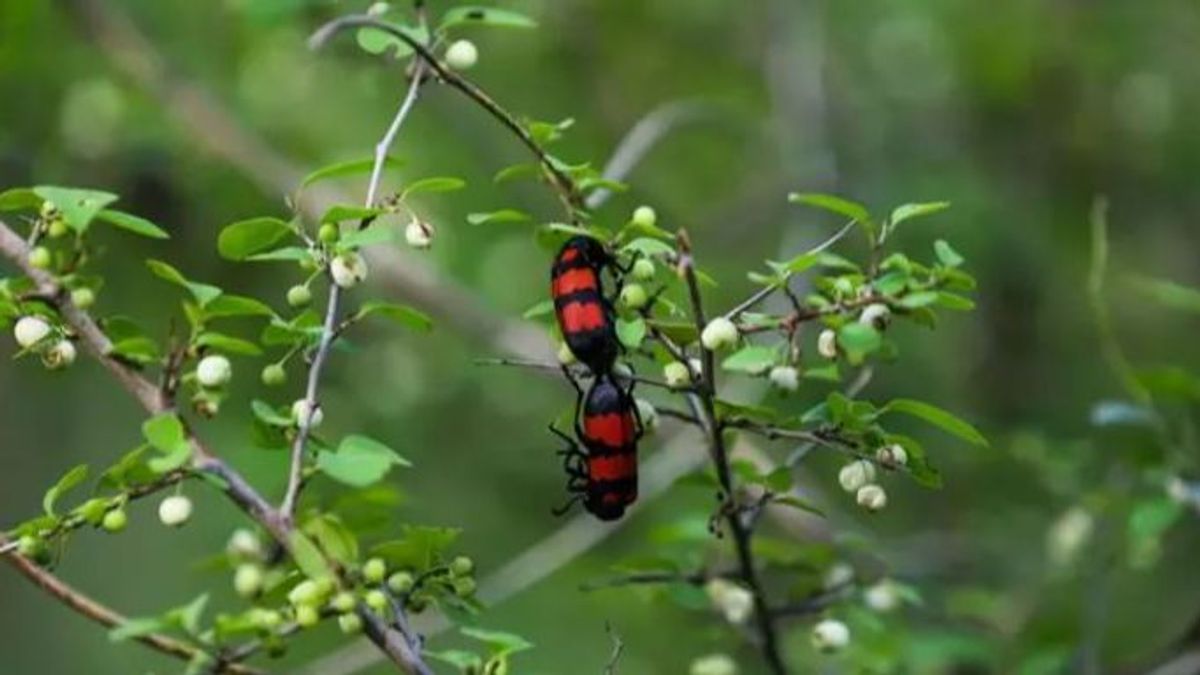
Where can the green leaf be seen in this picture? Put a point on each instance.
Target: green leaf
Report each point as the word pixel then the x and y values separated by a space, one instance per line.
pixel 237 305
pixel 378 232
pixel 852 210
pixel 352 167
pixel 164 432
pixel 680 332
pixel 1168 293
pixel 919 299
pixel 501 644
pixel 135 224
pixel 937 417
pixel 435 184
pixel 859 341
pixel 244 238
pixel 649 247
pixel 752 359
pixel 359 461
pixel 135 628
pixel 227 344
pixel 203 293
pixel 401 314
pixel 955 302
pixel 339 213
pixel 798 503
pixel 188 616
pixel 908 211
pixel 552 236
pixel 631 333
pixel 501 216
pixel 376 41
pixel 332 535
pixel 542 308
pixel 947 255
pixel 19 199
pixel 485 16
pixel 420 547
pixel 69 480
pixel 130 469
pixel 287 254
pixel 269 415
pixel 516 171
pixel 78 207
pixel 463 660
pixel 308 557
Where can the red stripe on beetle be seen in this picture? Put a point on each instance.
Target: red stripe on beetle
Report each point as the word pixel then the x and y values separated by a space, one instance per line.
pixel 569 254
pixel 576 279
pixel 612 467
pixel 611 429
pixel 578 317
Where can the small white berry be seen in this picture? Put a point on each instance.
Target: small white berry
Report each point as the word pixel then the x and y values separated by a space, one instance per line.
pixel 301 411
pixel 648 415
pixel 418 234
pixel 719 334
pixel 839 575
pixel 378 9
pixel 1178 490
pixel 644 216
pixel 892 455
pixel 882 596
pixel 175 510
pixel 348 270
pixel 244 544
pixel 213 371
pixel 827 344
pixel 871 497
pixel 856 474
pixel 248 580
pixel 462 54
pixel 875 315
pixel 713 664
pixel 830 636
pixel 733 601
pixel 30 330
pixel 677 375
pixel 61 355
pixel 785 378
pixel 1068 535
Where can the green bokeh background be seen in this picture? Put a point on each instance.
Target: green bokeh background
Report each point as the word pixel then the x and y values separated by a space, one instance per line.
pixel 1019 113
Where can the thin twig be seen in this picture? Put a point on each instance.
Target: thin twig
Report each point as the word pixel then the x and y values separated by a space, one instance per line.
pixel 618 646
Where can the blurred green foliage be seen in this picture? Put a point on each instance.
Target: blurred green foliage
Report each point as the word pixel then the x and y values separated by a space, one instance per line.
pixel 1018 113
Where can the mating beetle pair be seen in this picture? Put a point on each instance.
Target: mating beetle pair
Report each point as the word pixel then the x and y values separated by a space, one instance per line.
pixel 601 462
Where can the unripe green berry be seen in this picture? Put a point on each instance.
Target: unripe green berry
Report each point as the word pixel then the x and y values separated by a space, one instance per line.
pixel 83 298
pixel 57 228
pixel 401 582
pixel 325 588
pixel 248 580
pixel 305 594
pixel 644 216
pixel 643 269
pixel 462 566
pixel 268 619
pixel 343 602
pixel 307 616
pixel 299 295
pixel 634 296
pixel 48 209
pixel 40 257
pixel 274 375
pixel 677 374
pixel 374 570
pixel 350 623
pixel 115 520
pixel 377 600
pixel 328 233
pixel 29 546
pixel 464 587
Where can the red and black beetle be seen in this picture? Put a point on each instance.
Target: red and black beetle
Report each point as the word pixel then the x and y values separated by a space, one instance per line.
pixel 603 474
pixel 585 315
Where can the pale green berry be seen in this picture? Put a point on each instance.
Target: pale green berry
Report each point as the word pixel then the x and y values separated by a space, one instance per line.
pixel 30 330
pixel 305 593
pixel 40 258
pixel 644 216
pixel 401 582
pixel 350 623
pixel 57 228
pixel 307 616
pixel 374 570
pixel 115 520
pixel 830 636
pixel 328 233
pixel 677 374
pixel 83 298
pixel 856 474
pixel 274 375
pixel 30 546
pixel 720 333
pixel 462 54
pixel 214 371
pixel 343 602
pixel 464 587
pixel 462 566
pixel 302 411
pixel 348 270
pixel 175 510
pixel 268 619
pixel 643 269
pixel 871 497
pixel 61 355
pixel 48 209
pixel 634 296
pixel 377 600
pixel 299 295
pixel 248 580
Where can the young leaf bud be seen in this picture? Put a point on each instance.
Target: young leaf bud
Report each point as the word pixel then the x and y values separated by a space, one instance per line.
pixel 856 474
pixel 350 623
pixel 733 601
pixel 677 375
pixel 374 571
pixel 83 297
pixel 273 375
pixel 827 344
pixel 830 636
pixel 892 455
pixel 175 510
pixel 348 270
pixel 462 54
pixel 871 497
pixel 301 411
pixel 299 295
pixel 634 296
pixel 40 258
pixel 643 269
pixel 785 378
pixel 648 414
pixel 418 234
pixel 61 355
pixel 30 330
pixel 644 216
pixel 114 521
pixel 713 664
pixel 720 333
pixel 875 315
pixel 248 580
pixel 401 582
pixel 213 371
